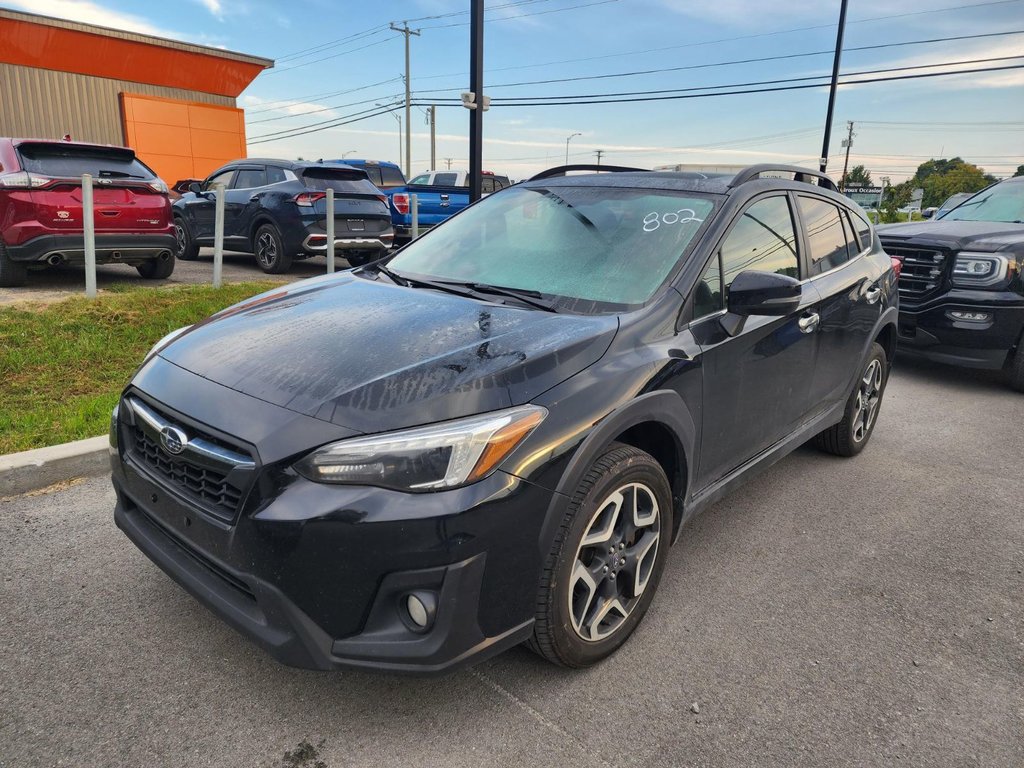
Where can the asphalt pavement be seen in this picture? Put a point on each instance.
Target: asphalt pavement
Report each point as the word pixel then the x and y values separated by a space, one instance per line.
pixel 832 612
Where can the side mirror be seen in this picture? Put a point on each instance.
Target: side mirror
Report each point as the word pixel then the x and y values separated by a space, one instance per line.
pixel 760 293
pixel 195 188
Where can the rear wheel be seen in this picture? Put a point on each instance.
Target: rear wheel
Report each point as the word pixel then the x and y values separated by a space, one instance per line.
pixel 156 269
pixel 269 250
pixel 849 436
pixel 12 273
pixel 359 258
pixel 606 561
pixel 188 250
pixel 1015 372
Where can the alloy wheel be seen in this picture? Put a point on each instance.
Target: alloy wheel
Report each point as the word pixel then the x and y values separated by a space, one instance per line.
pixel 869 395
pixel 266 249
pixel 614 561
pixel 179 235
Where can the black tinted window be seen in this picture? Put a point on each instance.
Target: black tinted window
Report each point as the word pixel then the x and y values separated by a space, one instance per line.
pixel 71 161
pixel 446 179
pixel 487 185
pixel 707 294
pixel 221 178
pixel 826 238
pixel 373 172
pixel 338 180
pixel 248 178
pixel 863 229
pixel 391 177
pixel 275 175
pixel 763 239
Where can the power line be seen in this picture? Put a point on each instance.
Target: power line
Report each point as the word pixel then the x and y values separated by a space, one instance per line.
pixel 525 15
pixel 279 70
pixel 272 106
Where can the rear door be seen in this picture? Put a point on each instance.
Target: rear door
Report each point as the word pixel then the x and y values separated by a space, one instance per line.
pixel 756 384
pixel 846 280
pixel 359 207
pixel 126 193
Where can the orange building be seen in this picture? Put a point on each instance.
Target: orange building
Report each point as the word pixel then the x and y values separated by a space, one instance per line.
pixel 172 102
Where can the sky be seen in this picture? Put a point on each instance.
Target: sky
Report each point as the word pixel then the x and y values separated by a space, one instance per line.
pixel 337 59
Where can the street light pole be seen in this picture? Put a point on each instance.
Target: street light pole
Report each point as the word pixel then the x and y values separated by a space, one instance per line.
pixel 567 140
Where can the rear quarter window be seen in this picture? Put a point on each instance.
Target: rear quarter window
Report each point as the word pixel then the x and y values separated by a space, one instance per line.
pixel 71 161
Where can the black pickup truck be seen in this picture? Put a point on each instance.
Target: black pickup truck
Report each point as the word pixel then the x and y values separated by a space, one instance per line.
pixel 961 288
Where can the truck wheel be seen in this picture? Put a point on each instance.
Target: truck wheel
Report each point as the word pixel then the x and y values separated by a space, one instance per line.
pixel 1015 373
pixel 12 273
pixel 187 248
pixel 269 250
pixel 849 436
pixel 606 560
pixel 156 269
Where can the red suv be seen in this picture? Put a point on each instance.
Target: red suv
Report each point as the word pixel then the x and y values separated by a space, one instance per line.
pixel 41 208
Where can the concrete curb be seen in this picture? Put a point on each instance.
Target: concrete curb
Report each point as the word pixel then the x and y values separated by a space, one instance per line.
pixel 31 470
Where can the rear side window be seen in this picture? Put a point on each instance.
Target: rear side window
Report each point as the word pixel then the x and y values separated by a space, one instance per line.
pixel 423 178
pixel 826 237
pixel 446 179
pixel 275 175
pixel 487 185
pixel 763 239
pixel 373 172
pixel 248 178
pixel 72 161
pixel 391 177
pixel 351 182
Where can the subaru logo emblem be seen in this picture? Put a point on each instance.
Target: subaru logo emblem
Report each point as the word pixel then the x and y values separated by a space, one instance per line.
pixel 173 440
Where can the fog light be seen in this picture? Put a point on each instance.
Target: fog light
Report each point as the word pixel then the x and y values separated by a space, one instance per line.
pixel 971 317
pixel 420 607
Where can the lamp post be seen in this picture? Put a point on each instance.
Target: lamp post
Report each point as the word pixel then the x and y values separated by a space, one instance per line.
pixel 399 119
pixel 346 154
pixel 567 140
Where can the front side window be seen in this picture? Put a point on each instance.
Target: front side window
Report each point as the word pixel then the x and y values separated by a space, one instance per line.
pixel 221 178
pixel 604 245
pixel 707 295
pixel 763 239
pixel 1001 202
pixel 826 238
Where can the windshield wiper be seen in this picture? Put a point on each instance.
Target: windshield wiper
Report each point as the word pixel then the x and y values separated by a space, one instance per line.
pixel 525 295
pixel 396 279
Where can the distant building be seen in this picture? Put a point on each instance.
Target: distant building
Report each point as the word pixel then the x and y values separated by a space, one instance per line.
pixel 172 102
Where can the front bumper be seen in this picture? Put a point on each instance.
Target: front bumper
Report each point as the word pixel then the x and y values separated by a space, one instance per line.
pixel 317 575
pixel 110 248
pixel 929 331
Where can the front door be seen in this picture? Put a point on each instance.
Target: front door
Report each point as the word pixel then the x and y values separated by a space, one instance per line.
pixel 200 211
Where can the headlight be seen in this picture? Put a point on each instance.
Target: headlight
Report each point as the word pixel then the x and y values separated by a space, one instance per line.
pixel 165 341
pixel 431 458
pixel 979 269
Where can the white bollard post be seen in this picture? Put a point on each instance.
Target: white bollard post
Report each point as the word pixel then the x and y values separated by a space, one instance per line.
pixel 414 210
pixel 89 234
pixel 218 235
pixel 330 230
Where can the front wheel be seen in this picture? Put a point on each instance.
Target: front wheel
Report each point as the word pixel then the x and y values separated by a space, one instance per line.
pixel 1015 372
pixel 269 250
pixel 606 560
pixel 849 436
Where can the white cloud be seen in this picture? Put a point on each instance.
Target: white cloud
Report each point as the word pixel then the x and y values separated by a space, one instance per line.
pixel 89 12
pixel 215 7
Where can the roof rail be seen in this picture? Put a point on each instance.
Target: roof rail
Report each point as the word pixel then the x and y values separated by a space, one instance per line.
pixel 806 175
pixel 562 170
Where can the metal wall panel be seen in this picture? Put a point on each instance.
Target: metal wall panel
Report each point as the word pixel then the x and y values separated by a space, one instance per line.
pixel 43 103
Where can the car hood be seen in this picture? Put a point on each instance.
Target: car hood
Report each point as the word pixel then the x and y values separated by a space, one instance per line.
pixel 973 235
pixel 372 356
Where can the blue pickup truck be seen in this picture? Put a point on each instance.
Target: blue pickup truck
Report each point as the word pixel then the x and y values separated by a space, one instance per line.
pixel 439 195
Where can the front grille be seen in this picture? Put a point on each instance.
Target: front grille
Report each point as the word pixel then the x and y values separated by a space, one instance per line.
pixel 924 269
pixel 207 471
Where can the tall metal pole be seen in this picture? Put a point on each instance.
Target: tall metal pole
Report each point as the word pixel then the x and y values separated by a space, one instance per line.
pixel 433 137
pixel 846 161
pixel 567 140
pixel 408 101
pixel 476 85
pixel 832 89
pixel 89 235
pixel 218 235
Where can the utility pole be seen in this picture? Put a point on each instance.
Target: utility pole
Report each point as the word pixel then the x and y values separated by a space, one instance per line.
pixel 476 86
pixel 448 162
pixel 408 103
pixel 567 140
pixel 599 152
pixel 832 89
pixel 846 162
pixel 433 137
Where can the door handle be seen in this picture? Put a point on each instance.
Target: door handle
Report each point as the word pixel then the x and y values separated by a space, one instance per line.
pixel 808 323
pixel 255 198
pixel 873 294
pixel 444 197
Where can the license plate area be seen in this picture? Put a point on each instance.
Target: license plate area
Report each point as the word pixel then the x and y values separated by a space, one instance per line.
pixel 356 225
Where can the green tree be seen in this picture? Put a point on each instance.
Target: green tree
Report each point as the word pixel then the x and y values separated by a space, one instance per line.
pixel 942 178
pixel 894 198
pixel 1020 171
pixel 859 176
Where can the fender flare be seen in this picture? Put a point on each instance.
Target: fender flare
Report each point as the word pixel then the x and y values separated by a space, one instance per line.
pixel 664 407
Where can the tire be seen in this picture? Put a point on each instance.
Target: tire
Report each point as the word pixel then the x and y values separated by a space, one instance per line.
pixel 568 630
pixel 13 274
pixel 360 258
pixel 1015 371
pixel 188 250
pixel 269 250
pixel 849 436
pixel 156 269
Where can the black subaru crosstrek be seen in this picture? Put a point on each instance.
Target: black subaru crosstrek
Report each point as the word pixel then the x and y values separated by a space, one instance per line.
pixel 277 211
pixel 962 282
pixel 538 395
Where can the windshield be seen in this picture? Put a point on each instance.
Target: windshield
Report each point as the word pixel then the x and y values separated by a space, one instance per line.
pixel 1000 202
pixel 610 246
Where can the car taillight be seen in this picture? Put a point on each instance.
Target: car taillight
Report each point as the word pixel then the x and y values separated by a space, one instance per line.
pixel 401 203
pixel 897 265
pixel 22 180
pixel 158 185
pixel 306 199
